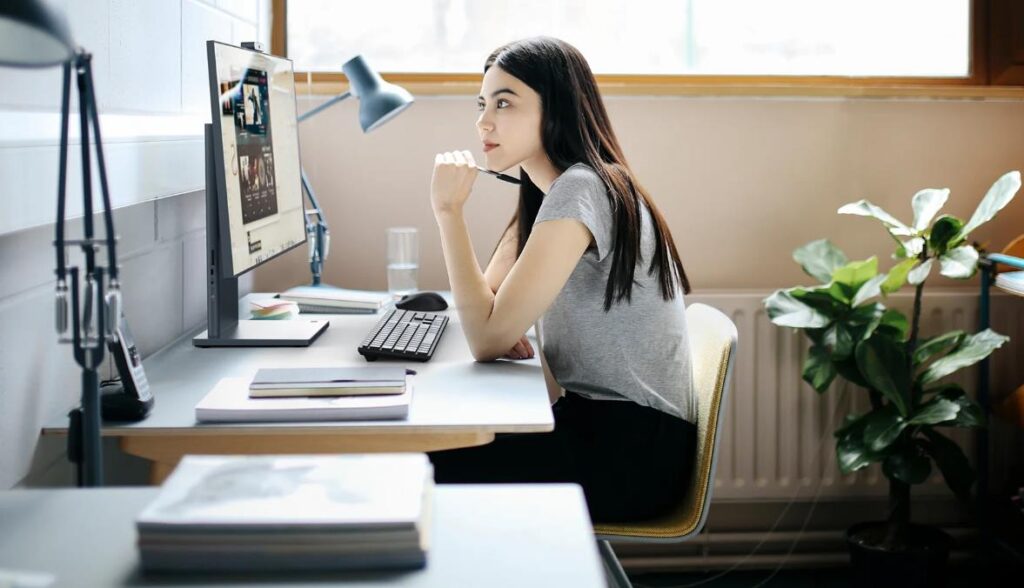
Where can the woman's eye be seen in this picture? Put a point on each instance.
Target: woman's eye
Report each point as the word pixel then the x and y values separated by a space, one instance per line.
pixel 480 105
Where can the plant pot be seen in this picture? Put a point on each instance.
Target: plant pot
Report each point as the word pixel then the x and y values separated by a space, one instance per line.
pixel 920 562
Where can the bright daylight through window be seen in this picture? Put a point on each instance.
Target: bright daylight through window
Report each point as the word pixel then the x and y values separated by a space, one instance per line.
pixel 927 38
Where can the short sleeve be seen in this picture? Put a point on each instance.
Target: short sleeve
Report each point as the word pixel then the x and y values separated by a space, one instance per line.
pixel 579 193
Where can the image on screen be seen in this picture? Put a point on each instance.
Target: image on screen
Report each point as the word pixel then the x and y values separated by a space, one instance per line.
pixel 257 123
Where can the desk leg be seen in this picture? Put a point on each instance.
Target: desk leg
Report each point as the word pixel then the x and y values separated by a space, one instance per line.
pixel 166 452
pixel 159 470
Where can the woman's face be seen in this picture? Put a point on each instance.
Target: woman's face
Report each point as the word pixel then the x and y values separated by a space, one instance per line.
pixel 510 118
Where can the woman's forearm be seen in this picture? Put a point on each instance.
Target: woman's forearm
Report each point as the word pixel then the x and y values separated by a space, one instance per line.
pixel 473 296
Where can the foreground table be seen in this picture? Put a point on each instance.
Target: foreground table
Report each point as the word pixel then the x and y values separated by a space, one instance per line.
pixel 483 535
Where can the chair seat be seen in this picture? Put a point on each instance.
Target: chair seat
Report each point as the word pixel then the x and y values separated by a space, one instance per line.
pixel 681 522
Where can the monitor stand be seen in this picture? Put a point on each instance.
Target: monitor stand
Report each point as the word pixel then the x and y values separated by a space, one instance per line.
pixel 224 329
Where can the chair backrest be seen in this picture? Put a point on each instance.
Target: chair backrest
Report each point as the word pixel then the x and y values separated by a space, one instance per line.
pixel 713 342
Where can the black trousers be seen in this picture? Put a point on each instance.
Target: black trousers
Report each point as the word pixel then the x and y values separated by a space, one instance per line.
pixel 632 461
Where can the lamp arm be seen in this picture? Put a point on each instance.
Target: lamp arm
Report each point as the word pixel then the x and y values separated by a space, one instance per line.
pixel 308 189
pixel 317 231
pixel 324 106
pixel 63 174
pixel 108 217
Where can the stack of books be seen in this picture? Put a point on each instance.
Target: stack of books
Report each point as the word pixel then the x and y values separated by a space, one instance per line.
pixel 1011 281
pixel 336 300
pixel 290 513
pixel 235 399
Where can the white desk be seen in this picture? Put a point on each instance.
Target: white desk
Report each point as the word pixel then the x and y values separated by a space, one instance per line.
pixel 486 535
pixel 457 402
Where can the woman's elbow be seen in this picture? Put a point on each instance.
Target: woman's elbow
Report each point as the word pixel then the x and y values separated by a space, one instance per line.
pixel 484 354
pixel 487 349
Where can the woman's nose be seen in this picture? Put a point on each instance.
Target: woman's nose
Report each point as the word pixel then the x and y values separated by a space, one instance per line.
pixel 484 122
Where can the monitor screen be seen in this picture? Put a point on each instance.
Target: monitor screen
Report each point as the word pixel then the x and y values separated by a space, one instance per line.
pixel 256 151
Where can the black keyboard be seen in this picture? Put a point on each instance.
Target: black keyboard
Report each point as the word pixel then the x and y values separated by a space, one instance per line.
pixel 404 334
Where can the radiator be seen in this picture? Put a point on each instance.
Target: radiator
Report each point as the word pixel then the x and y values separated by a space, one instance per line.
pixel 777 432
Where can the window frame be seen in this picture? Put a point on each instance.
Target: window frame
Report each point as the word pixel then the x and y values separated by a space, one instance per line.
pixel 978 84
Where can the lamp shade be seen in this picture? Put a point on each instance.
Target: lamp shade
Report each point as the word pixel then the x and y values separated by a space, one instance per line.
pixel 379 101
pixel 33 35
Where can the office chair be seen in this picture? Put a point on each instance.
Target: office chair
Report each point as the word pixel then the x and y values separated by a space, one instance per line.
pixel 713 354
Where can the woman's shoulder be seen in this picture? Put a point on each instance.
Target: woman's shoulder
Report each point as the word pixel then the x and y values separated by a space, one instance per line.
pixel 579 174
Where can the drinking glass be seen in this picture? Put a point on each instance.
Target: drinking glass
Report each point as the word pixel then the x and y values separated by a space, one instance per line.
pixel 403 260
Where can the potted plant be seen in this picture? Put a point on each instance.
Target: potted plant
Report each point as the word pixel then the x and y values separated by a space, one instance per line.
pixel 854 336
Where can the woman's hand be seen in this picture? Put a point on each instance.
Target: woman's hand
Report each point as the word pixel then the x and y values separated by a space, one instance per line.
pixel 521 350
pixel 454 174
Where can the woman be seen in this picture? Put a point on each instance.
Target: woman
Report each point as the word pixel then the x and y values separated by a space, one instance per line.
pixel 589 257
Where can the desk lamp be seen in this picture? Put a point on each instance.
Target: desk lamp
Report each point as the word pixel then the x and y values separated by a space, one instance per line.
pixel 379 102
pixel 33 36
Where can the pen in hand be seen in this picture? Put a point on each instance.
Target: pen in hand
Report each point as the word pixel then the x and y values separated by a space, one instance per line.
pixel 500 176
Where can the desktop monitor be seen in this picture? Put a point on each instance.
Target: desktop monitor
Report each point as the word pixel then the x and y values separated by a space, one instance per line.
pixel 255 209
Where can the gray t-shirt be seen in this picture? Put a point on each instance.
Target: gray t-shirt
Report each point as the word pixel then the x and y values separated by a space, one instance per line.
pixel 636 351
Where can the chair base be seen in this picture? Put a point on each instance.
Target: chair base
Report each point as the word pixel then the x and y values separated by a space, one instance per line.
pixel 616 575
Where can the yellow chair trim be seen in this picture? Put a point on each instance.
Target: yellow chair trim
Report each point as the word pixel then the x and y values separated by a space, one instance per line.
pixel 684 519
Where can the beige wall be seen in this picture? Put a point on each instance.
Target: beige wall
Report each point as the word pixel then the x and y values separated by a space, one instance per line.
pixel 742 181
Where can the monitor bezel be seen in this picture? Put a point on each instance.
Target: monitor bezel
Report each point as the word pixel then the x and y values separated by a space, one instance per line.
pixel 224 254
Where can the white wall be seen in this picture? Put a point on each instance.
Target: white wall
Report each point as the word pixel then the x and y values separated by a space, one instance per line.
pixel 150 77
pixel 149 62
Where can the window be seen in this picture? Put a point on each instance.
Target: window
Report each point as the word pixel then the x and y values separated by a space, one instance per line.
pixel 878 48
pixel 860 38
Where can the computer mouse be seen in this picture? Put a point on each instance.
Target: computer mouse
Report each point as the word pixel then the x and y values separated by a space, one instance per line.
pixel 422 301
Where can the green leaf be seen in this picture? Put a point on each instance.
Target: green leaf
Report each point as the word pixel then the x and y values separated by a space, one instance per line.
pixel 972 349
pixel 850 422
pixel 856 273
pixel 952 462
pixel 926 203
pixel 935 411
pixel 1001 192
pixel 869 289
pixel 894 324
pixel 959 263
pixel 819 259
pixel 883 426
pixel 821 299
pixel 920 273
pixel 970 414
pixel 865 208
pixel 883 364
pixel 897 276
pixel 910 465
pixel 863 320
pixel 818 369
pixel 909 248
pixel 938 344
pixel 851 452
pixel 848 369
pixel 944 233
pixel 839 339
pixel 786 311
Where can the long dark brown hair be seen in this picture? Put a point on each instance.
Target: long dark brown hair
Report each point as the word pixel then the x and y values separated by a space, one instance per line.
pixel 575 128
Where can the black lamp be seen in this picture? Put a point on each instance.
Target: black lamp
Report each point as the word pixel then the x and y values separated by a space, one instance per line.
pixel 33 36
pixel 379 102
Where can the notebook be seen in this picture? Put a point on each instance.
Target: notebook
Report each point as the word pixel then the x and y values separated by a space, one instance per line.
pixel 337 298
pixel 327 381
pixel 229 401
